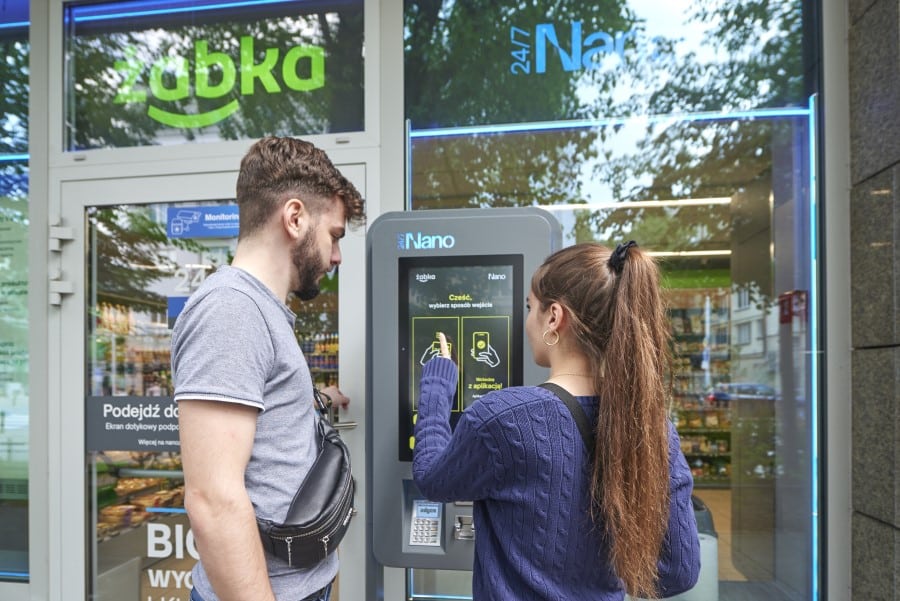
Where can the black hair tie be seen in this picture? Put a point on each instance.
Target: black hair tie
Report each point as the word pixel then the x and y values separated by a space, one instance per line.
pixel 617 259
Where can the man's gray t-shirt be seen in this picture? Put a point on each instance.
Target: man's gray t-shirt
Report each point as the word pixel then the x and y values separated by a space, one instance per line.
pixel 234 342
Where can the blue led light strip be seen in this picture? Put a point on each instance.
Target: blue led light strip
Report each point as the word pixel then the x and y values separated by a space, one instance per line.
pixel 13 158
pixel 591 123
pixel 17 575
pixel 14 25
pixel 813 323
pixel 165 510
pixel 100 12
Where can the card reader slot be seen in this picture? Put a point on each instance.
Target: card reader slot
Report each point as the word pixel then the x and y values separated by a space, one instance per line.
pixel 464 529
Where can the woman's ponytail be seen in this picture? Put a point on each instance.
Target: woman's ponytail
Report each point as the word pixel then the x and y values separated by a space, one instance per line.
pixel 618 320
pixel 631 468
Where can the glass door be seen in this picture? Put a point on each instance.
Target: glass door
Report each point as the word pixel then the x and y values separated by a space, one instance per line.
pixel 145 251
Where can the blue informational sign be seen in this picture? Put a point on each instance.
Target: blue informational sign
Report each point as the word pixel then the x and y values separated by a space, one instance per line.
pixel 202 222
pixel 175 304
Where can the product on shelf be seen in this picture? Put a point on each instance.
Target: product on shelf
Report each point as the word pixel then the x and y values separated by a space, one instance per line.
pixel 160 498
pixel 124 493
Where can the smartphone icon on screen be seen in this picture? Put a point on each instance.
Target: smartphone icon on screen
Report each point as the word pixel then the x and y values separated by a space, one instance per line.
pixel 480 342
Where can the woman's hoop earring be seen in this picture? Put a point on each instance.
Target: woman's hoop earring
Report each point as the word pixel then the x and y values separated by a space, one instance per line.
pixel 544 338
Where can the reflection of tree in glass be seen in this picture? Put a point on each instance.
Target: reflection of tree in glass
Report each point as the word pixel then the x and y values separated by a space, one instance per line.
pixel 14 192
pixel 131 250
pixel 450 45
pixel 448 48
pixel 754 51
pixel 664 229
pixel 13 263
pixel 14 94
pixel 508 170
pixel 96 120
pixel 319 315
pixel 754 60
pixel 483 289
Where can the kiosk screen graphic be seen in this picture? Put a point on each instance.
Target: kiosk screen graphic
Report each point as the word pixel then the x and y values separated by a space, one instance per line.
pixel 477 302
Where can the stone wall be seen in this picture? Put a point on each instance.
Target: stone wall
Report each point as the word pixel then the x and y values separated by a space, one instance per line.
pixel 874 60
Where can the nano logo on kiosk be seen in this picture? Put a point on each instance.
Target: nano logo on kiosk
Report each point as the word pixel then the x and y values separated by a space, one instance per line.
pixel 420 241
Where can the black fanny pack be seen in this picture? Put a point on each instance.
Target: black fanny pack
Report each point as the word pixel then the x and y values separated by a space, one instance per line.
pixel 321 510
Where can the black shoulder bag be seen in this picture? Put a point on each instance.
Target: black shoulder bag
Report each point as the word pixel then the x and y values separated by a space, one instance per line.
pixel 321 510
pixel 578 415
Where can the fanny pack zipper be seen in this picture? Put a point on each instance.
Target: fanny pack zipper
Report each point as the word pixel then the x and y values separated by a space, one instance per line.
pixel 331 529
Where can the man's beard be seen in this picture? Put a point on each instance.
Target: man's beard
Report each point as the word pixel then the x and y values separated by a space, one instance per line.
pixel 309 267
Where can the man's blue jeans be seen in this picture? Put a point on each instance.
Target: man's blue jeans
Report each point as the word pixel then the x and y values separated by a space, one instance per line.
pixel 322 595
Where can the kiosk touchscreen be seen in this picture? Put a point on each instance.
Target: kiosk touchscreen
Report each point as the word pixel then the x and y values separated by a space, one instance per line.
pixel 465 273
pixel 473 300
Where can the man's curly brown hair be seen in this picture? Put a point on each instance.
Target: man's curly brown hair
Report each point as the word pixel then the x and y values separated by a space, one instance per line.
pixel 277 169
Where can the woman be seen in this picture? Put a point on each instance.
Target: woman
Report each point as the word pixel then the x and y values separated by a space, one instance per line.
pixel 551 521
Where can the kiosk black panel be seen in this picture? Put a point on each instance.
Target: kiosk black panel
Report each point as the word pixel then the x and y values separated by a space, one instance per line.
pixel 476 302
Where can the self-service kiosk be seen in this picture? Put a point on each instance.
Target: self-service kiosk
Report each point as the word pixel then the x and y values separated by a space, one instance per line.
pixel 464 272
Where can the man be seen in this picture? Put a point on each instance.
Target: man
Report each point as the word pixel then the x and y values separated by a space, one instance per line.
pixel 243 388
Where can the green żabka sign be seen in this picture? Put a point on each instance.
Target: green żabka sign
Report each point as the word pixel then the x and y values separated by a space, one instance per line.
pixel 248 71
pixel 207 73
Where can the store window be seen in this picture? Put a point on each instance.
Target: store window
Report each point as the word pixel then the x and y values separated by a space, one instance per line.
pixel 14 440
pixel 177 71
pixel 690 128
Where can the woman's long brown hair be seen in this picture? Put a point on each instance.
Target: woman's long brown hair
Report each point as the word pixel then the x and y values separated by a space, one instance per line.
pixel 619 322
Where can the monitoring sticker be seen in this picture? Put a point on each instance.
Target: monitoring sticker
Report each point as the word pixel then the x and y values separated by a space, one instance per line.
pixel 220 221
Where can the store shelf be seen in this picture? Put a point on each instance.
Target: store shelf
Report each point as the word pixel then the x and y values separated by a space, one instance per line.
pixel 710 455
pixel 704 431
pixel 712 482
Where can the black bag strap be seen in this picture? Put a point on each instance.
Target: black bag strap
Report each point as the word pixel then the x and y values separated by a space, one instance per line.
pixel 322 401
pixel 578 415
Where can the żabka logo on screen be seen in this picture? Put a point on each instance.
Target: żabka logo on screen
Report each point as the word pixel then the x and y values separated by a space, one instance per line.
pixel 420 241
pixel 132 68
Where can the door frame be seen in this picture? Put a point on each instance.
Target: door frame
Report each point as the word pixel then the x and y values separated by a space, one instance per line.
pixel 66 477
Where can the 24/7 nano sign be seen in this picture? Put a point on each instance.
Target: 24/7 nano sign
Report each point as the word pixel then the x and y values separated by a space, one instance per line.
pixel 582 52
pixel 138 81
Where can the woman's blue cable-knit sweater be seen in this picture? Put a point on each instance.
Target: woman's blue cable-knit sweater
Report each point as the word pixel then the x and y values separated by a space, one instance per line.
pixel 517 453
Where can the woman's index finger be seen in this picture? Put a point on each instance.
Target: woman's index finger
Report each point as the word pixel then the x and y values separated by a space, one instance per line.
pixel 445 348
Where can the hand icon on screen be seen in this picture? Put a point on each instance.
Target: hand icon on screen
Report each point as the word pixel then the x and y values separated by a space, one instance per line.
pixel 488 356
pixel 434 351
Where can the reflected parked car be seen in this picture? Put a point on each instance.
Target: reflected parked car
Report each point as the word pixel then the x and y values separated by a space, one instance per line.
pixel 726 392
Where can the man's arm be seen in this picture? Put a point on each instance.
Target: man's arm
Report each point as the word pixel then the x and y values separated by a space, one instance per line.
pixel 216 441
